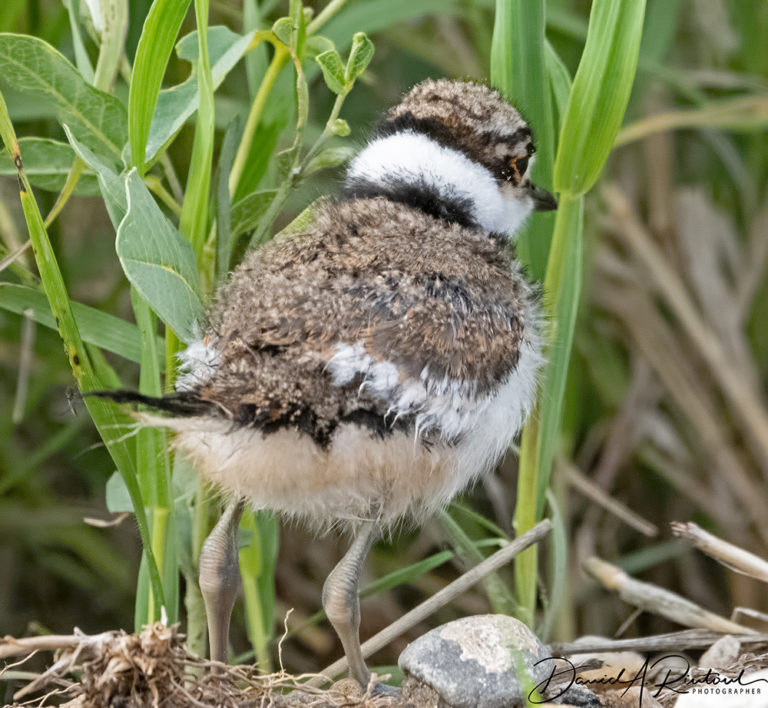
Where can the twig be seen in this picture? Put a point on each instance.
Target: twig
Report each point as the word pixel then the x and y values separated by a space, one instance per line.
pixel 655 599
pixel 687 639
pixel 10 646
pixel 731 556
pixel 443 597
pixel 580 481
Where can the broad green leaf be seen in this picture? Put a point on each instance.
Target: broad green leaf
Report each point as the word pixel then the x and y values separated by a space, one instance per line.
pixel 158 260
pixel 333 70
pixel 330 157
pixel 117 497
pixel 283 29
pixel 317 44
pixel 47 163
pixel 96 327
pixel 359 57
pixel 177 104
pixel 110 183
pixel 152 54
pixel 247 212
pixel 35 68
pixel 600 93
pixel 341 128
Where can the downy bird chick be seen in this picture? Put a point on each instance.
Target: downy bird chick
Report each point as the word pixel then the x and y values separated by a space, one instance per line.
pixel 369 369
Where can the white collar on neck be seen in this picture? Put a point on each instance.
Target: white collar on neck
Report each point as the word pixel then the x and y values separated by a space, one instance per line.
pixel 414 158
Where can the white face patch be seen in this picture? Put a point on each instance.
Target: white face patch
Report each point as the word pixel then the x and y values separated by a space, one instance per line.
pixel 414 158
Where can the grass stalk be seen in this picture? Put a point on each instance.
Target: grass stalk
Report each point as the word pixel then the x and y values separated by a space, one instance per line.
pixel 109 420
pixel 279 60
pixel 591 120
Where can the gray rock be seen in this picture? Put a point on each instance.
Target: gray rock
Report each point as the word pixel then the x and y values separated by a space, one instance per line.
pixel 480 662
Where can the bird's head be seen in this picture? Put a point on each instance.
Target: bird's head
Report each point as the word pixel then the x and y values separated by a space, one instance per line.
pixel 461 150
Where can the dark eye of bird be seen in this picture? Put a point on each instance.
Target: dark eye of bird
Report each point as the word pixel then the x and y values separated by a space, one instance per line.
pixel 520 165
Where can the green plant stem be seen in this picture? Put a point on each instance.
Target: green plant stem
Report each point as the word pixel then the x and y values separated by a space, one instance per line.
pixel 159 539
pixel 327 12
pixel 172 348
pixel 562 285
pixel 327 131
pixel 155 184
pixel 66 191
pixel 279 60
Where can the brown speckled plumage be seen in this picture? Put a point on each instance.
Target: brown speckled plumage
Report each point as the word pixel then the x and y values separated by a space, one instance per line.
pixel 414 291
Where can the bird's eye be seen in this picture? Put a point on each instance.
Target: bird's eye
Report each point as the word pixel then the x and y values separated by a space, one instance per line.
pixel 519 165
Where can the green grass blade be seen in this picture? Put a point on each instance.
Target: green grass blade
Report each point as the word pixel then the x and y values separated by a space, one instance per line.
pixel 111 423
pixel 224 234
pixel 96 327
pixel 500 596
pixel 152 54
pixel 176 104
pixel 82 60
pixel 115 14
pixel 558 563
pixel 562 286
pixel 152 456
pixel 194 211
pixel 257 568
pixel 559 80
pixel 599 94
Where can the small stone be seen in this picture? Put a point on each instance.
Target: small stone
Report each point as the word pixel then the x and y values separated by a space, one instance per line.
pixel 721 654
pixel 485 661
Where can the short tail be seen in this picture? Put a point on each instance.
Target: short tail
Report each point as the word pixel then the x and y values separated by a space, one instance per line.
pixel 184 403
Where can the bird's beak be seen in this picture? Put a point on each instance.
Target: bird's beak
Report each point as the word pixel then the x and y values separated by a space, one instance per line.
pixel 542 199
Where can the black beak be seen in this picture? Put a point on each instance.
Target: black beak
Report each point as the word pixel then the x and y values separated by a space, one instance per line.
pixel 542 199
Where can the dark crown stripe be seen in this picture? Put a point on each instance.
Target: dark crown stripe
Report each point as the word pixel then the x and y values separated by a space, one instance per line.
pixel 432 128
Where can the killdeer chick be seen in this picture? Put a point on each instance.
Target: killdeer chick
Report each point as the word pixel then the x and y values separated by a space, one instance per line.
pixel 366 371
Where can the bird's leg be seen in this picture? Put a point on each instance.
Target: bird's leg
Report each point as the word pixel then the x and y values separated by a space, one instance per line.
pixel 220 578
pixel 342 603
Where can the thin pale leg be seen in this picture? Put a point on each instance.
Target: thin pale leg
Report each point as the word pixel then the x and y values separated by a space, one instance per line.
pixel 342 603
pixel 220 578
